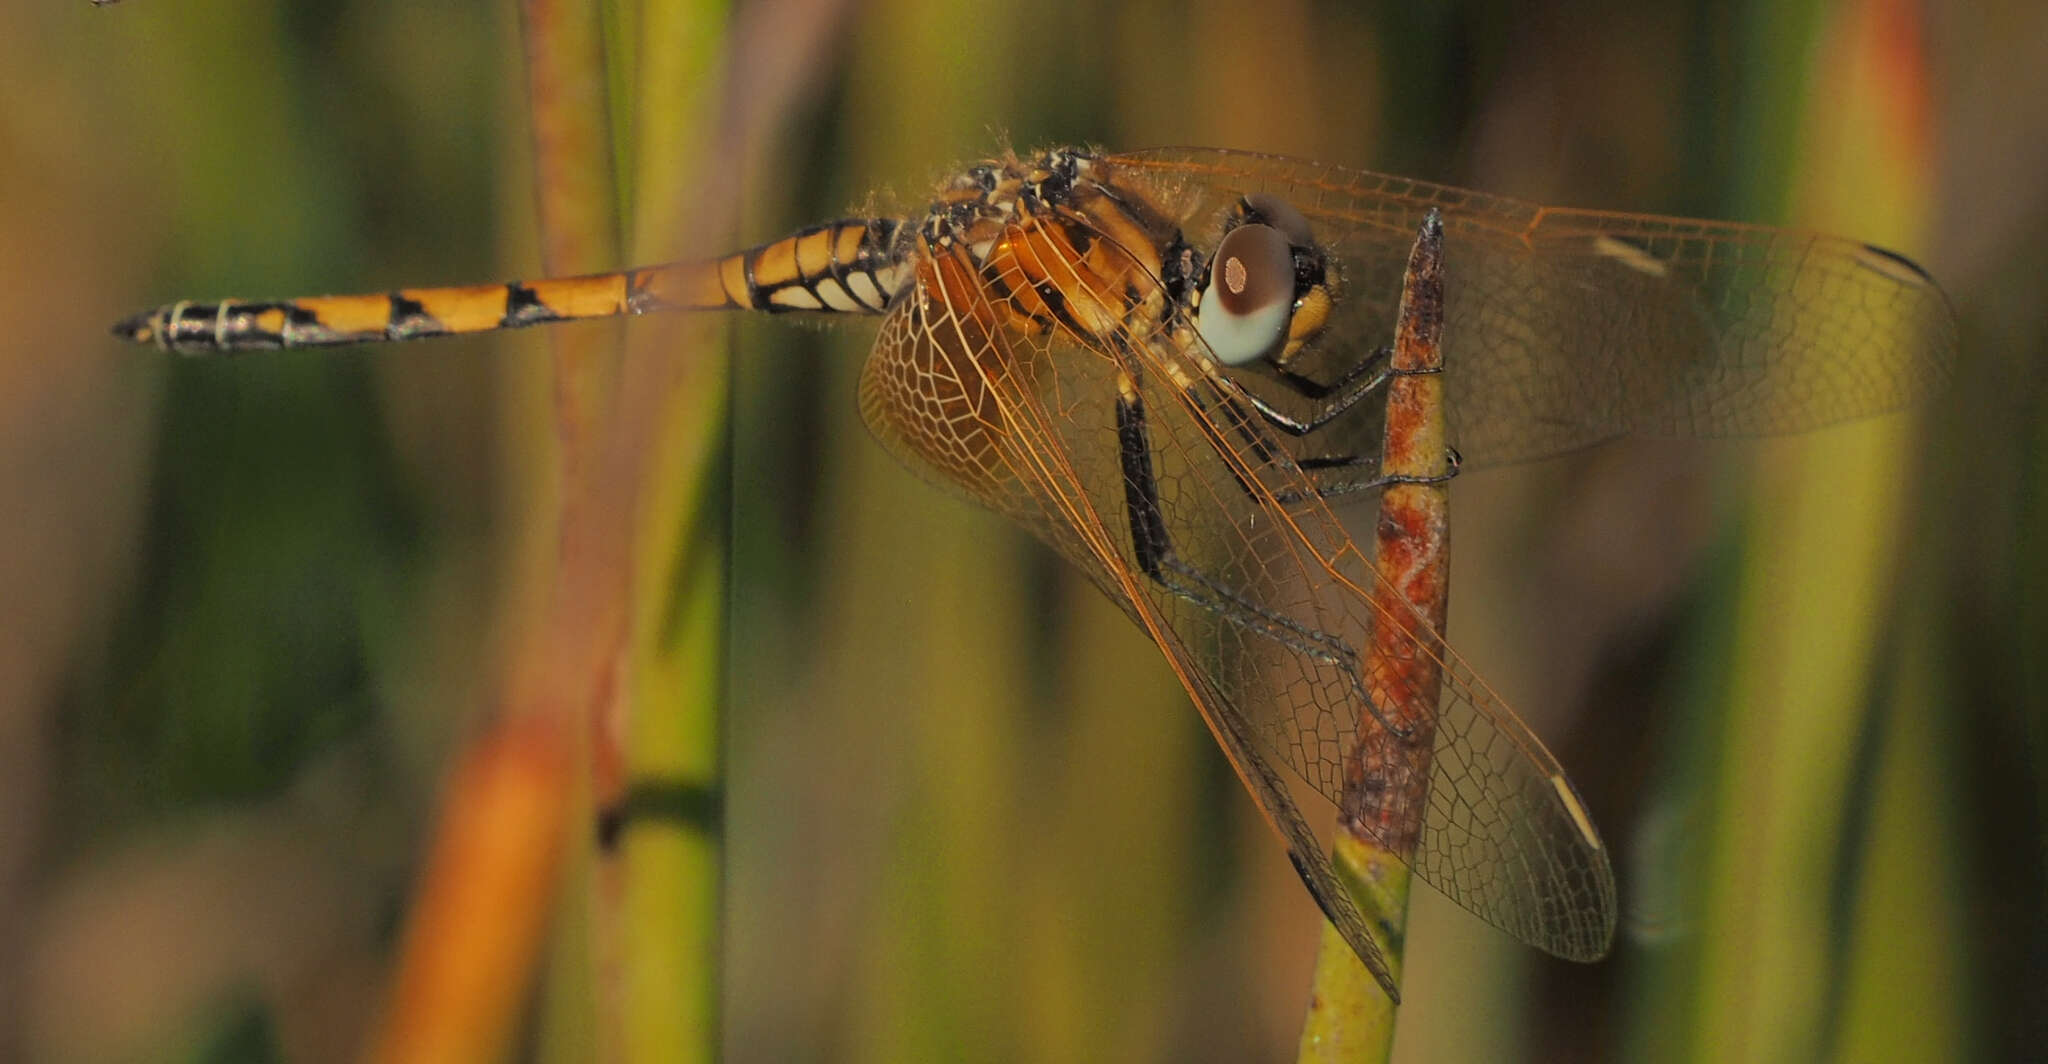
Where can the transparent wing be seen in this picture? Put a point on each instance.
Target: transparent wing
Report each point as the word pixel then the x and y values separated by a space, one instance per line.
pixel 1567 327
pixel 953 398
pixel 1263 615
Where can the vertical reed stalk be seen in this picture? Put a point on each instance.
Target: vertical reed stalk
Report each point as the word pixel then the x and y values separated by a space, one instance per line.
pixel 1351 1015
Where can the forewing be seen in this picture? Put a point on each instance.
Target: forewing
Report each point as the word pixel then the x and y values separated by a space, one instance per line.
pixel 1502 833
pixel 1567 327
pixel 969 407
pixel 1266 622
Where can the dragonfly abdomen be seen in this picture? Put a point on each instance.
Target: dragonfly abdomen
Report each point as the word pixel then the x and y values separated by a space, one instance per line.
pixel 852 266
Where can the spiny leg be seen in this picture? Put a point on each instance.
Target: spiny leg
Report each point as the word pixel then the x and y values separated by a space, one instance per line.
pixel 1262 452
pixel 1318 465
pixel 1328 489
pixel 1348 388
pixel 1152 545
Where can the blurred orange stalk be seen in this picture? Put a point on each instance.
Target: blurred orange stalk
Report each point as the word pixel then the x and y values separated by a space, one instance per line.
pixel 485 897
pixel 475 934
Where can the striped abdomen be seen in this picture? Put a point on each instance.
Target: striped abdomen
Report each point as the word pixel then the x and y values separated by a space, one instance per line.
pixel 853 266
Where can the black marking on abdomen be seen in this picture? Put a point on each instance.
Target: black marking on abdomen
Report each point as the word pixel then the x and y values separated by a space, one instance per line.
pixel 303 328
pixel 410 320
pixel 876 234
pixel 242 331
pixel 231 326
pixel 189 324
pixel 523 308
pixel 638 299
pixel 837 271
pixel 757 299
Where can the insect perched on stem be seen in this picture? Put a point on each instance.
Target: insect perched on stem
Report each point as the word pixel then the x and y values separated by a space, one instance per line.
pixel 1169 364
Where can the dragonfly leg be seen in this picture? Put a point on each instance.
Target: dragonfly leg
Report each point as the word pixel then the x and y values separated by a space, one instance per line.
pixel 1332 489
pixel 1261 450
pixel 1152 545
pixel 1317 467
pixel 1364 377
pixel 1375 361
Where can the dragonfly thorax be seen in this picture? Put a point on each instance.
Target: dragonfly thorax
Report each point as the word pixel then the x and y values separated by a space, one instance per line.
pixel 1068 242
pixel 1060 247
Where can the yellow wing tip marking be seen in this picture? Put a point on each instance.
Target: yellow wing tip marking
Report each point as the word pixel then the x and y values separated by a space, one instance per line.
pixel 1570 799
pixel 1634 256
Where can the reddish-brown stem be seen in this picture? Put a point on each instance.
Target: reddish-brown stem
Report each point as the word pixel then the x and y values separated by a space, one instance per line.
pixel 1403 662
pixel 1351 1015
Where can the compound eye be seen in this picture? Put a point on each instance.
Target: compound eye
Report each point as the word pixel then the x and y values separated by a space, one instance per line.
pixel 1250 296
pixel 1281 215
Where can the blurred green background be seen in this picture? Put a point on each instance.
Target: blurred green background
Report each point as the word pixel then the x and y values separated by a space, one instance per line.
pixel 252 606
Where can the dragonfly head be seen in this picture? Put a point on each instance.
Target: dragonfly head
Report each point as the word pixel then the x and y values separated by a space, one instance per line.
pixel 1266 292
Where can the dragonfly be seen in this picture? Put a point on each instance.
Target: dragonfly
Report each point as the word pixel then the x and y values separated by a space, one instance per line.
pixel 1171 365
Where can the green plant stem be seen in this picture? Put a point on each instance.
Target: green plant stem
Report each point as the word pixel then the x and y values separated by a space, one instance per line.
pixel 674 412
pixel 1350 1017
